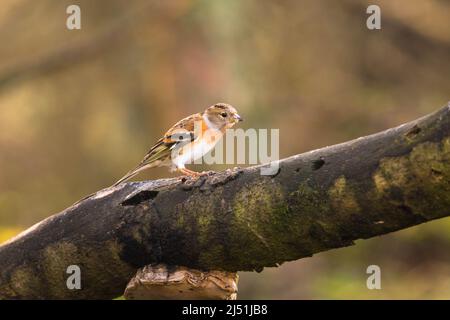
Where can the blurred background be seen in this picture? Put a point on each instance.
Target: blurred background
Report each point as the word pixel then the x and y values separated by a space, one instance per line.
pixel 79 108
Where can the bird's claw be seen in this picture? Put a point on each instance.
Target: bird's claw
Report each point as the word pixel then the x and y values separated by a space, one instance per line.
pixel 197 175
pixel 207 173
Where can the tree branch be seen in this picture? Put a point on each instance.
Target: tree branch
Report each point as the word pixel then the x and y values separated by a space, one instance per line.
pixel 238 219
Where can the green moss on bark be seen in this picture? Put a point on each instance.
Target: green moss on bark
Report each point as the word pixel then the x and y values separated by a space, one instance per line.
pixel 418 181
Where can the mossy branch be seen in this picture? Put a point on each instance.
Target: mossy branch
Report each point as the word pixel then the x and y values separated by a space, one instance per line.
pixel 238 220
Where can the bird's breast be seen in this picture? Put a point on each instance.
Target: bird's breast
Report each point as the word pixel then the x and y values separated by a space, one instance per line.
pixel 197 148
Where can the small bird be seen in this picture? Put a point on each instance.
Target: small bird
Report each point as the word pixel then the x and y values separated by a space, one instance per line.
pixel 188 140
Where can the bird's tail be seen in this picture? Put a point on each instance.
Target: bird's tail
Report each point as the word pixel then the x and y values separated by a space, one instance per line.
pixel 133 172
pixel 129 175
pixel 157 154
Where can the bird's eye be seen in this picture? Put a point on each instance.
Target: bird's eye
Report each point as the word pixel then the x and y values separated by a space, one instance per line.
pixel 224 114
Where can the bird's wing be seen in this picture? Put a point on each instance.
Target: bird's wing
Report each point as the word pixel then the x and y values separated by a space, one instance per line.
pixel 180 134
pixel 184 131
pixel 159 151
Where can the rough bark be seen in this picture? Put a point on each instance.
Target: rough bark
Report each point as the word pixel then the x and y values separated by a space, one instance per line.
pixel 238 220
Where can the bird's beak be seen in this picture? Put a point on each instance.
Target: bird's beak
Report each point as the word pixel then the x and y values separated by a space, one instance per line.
pixel 237 118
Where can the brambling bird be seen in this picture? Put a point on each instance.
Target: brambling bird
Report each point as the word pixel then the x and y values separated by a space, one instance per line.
pixel 188 140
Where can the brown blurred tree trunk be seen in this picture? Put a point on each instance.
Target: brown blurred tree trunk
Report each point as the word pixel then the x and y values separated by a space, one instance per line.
pixel 238 220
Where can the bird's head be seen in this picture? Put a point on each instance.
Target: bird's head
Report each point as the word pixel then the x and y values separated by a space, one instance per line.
pixel 222 116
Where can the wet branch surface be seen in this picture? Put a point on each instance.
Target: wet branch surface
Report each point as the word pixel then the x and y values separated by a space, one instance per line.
pixel 238 219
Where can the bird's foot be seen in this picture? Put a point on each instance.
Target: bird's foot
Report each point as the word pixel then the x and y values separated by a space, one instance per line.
pixel 208 173
pixel 189 174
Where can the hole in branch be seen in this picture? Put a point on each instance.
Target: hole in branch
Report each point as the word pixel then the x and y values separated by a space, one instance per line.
pixel 140 197
pixel 413 131
pixel 317 164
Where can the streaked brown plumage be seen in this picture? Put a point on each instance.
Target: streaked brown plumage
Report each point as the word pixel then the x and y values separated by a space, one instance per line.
pixel 189 138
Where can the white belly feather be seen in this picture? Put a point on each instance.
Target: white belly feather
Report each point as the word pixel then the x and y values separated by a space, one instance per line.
pixel 197 149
